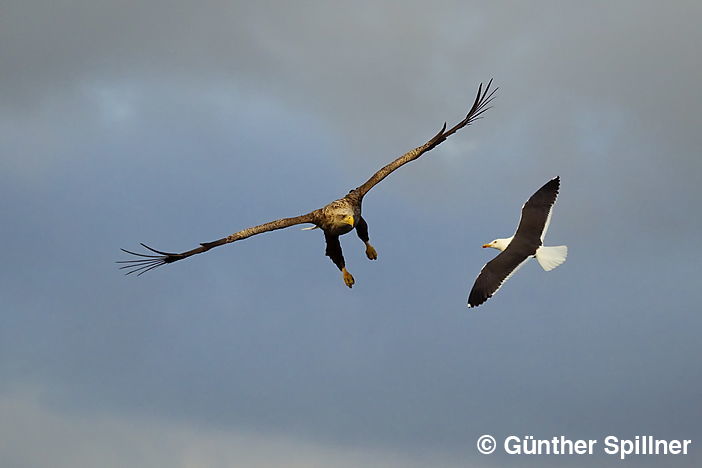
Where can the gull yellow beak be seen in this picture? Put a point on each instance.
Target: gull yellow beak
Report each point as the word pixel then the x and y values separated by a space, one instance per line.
pixel 486 246
pixel 349 220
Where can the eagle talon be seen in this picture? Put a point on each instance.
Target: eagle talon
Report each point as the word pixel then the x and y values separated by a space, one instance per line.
pixel 371 253
pixel 348 278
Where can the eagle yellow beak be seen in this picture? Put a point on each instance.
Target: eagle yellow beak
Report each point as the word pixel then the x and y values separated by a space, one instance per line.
pixel 486 246
pixel 349 220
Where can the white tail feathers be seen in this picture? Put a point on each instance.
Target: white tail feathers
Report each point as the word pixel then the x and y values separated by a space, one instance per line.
pixel 550 257
pixel 309 228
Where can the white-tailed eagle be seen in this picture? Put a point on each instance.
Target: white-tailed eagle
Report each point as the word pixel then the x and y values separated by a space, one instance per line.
pixel 337 218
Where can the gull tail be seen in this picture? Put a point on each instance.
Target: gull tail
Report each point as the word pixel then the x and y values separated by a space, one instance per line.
pixel 550 257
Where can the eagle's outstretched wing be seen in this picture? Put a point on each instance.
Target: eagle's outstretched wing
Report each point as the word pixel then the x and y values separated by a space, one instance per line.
pixel 482 100
pixel 148 262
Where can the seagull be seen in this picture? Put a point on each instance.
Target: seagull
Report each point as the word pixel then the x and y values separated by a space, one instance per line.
pixel 527 242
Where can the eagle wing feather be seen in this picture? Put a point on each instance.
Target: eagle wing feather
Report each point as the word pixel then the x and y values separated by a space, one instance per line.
pixel 148 262
pixel 480 106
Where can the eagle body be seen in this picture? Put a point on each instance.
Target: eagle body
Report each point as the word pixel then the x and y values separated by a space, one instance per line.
pixel 336 218
pixel 341 217
pixel 333 217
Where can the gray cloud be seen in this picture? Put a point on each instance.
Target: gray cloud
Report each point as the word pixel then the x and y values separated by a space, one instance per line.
pixel 42 436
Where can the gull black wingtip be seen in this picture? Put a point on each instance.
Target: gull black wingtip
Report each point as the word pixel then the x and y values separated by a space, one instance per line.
pixel 475 299
pixel 555 183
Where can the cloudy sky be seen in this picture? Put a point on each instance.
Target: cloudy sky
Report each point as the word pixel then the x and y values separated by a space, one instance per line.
pixel 173 123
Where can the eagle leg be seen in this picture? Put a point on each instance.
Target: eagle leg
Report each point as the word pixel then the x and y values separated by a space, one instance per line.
pixel 334 252
pixel 362 231
pixel 348 278
pixel 370 252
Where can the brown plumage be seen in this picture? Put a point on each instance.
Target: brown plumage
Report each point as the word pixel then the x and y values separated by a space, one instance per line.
pixel 335 219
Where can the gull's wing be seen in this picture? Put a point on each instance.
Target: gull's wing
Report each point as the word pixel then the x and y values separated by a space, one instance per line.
pixel 482 100
pixel 536 212
pixel 148 262
pixel 494 274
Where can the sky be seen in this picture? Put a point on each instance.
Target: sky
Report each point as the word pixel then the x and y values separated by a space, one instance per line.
pixel 174 123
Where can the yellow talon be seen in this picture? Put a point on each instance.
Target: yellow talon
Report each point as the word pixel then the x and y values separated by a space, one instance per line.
pixel 371 253
pixel 348 279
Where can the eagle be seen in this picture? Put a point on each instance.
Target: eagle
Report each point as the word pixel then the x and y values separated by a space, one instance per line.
pixel 335 219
